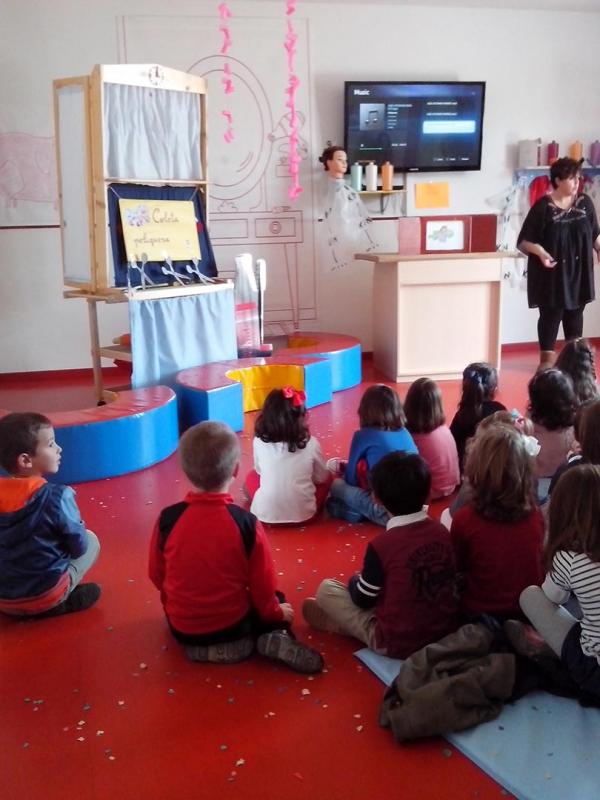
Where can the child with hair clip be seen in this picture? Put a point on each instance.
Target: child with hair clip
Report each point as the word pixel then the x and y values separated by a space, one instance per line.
pixel 513 419
pixel 551 408
pixel 382 431
pixel 572 558
pixel 576 360
pixel 425 420
pixel 479 386
pixel 498 535
pixel 290 480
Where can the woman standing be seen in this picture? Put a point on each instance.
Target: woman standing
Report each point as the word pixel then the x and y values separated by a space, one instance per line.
pixel 559 235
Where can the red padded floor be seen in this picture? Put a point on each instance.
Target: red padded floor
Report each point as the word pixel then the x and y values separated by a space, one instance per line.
pixel 104 705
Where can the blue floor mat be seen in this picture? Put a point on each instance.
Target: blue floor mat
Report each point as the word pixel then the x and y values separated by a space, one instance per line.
pixel 540 748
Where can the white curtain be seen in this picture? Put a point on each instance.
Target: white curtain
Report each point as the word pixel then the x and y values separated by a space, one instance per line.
pixel 151 134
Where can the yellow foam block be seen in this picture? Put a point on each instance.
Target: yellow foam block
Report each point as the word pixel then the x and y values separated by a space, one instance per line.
pixel 258 381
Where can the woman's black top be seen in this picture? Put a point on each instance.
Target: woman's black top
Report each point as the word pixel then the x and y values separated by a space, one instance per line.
pixel 568 236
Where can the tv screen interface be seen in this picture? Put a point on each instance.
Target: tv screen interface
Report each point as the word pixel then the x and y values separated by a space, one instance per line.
pixel 418 127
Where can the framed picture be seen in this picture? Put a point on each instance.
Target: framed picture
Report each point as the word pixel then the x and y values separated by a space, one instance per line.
pixel 446 234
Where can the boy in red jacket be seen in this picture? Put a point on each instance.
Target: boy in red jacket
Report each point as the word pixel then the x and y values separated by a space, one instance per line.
pixel 211 562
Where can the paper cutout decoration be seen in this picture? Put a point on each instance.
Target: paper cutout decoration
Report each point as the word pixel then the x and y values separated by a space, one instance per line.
pixel 289 44
pixel 227 79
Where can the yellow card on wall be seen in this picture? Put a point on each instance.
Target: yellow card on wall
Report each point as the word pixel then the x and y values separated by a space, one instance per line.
pixel 432 195
pixel 159 228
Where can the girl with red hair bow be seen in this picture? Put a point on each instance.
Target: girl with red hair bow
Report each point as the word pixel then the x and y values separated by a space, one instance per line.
pixel 290 480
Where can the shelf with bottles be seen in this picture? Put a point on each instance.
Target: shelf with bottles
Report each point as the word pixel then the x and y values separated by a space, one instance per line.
pixel 383 191
pixel 385 196
pixel 529 173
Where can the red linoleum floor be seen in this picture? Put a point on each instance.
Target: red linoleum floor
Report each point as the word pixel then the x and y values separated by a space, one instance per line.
pixel 103 704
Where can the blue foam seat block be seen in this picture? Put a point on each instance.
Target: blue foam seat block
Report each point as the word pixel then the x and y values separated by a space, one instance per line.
pixel 542 747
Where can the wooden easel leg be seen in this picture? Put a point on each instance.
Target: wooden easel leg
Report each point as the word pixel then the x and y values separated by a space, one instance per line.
pixel 95 350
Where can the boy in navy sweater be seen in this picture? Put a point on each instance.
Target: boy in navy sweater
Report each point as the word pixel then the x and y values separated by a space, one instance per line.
pixel 211 562
pixel 404 597
pixel 45 549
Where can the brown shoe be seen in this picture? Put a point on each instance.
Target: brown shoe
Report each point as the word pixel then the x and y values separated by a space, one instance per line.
pixel 281 646
pixel 224 653
pixel 318 618
pixel 547 359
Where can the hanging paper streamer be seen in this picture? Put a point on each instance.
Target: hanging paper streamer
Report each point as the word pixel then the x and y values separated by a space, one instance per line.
pixel 293 83
pixel 227 79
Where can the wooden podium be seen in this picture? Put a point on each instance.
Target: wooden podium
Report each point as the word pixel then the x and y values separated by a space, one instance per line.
pixel 434 314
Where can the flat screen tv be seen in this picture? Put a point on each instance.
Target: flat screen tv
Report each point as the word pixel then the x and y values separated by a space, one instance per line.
pixel 417 126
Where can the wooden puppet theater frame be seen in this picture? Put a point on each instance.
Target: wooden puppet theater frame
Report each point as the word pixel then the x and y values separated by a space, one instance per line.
pixel 132 131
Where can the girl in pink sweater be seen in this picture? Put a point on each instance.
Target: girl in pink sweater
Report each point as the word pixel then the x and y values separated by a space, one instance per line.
pixel 425 420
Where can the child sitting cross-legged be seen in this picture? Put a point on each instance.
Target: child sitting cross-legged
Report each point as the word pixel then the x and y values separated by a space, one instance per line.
pixel 425 420
pixel 498 534
pixel 572 584
pixel 382 431
pixel 404 597
pixel 211 562
pixel 290 480
pixel 45 549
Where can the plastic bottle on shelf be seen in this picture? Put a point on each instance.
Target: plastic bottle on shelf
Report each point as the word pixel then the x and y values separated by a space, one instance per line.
pixel 387 176
pixel 371 176
pixel 356 176
pixel 529 153
pixel 595 153
pixel 552 152
pixel 576 151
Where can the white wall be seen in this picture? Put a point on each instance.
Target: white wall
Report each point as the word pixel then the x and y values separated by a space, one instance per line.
pixel 541 75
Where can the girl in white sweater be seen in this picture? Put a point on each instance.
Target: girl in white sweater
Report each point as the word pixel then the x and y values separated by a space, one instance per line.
pixel 290 480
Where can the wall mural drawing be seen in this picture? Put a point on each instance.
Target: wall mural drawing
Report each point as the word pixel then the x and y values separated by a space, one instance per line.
pixel 28 184
pixel 249 207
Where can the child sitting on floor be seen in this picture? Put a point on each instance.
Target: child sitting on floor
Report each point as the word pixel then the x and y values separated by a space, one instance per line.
pixel 381 432
pixel 552 406
pixel 425 420
pixel 586 448
pixel 572 557
pixel 211 562
pixel 479 387
pixel 290 480
pixel 498 535
pixel 45 549
pixel 514 420
pixel 404 598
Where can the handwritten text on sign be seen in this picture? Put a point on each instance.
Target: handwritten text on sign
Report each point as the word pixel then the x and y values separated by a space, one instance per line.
pixel 159 228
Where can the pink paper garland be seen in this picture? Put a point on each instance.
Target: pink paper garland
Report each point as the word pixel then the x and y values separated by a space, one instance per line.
pixel 227 79
pixel 294 189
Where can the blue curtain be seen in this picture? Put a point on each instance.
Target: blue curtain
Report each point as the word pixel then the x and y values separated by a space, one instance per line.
pixel 175 333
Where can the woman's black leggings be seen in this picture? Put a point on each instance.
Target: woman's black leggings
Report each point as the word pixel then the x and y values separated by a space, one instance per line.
pixel 549 321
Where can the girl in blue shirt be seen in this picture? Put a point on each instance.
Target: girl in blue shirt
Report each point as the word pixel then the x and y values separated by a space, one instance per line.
pixel 381 432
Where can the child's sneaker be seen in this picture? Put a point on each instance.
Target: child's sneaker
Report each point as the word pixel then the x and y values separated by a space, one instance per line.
pixel 318 618
pixel 81 598
pixel 223 653
pixel 281 646
pixel 526 641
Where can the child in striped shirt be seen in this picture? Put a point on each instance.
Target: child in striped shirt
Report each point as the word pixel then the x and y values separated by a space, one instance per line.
pixel 572 556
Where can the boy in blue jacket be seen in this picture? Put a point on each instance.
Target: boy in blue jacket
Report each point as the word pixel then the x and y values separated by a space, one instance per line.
pixel 45 549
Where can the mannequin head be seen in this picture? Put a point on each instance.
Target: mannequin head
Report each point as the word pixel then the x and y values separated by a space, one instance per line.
pixel 335 161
